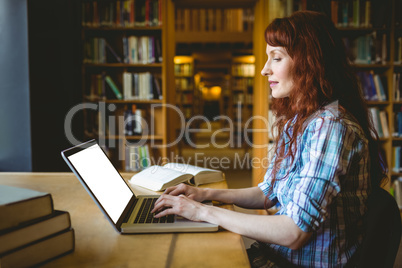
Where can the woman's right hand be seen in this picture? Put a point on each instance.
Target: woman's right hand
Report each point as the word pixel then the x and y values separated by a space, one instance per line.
pixel 194 193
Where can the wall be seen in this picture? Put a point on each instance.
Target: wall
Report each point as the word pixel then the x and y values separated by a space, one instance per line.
pixel 15 135
pixel 55 78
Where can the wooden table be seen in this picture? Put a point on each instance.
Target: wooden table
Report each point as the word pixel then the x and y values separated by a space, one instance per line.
pixel 97 244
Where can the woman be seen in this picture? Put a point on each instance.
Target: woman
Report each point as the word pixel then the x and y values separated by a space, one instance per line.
pixel 326 160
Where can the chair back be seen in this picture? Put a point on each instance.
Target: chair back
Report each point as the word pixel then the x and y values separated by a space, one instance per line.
pixel 382 231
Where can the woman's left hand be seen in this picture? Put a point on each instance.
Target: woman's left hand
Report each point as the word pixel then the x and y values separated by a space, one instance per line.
pixel 178 205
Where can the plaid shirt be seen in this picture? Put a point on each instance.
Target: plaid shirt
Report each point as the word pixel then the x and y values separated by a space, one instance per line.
pixel 325 191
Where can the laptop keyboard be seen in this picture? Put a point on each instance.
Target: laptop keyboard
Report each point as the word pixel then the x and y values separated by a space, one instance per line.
pixel 145 216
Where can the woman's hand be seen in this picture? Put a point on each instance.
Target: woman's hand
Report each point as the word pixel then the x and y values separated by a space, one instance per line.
pixel 179 205
pixel 197 194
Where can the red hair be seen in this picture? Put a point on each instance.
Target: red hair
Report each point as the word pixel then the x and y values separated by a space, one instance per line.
pixel 321 74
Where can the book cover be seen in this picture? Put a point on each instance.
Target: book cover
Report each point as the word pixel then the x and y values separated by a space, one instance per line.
pixel 380 88
pixel 157 87
pixel 128 122
pixel 158 50
pixel 126 57
pixel 384 124
pixel 127 86
pixel 139 12
pixel 18 205
pixel 113 87
pixel 32 231
pixel 137 122
pixel 133 49
pixel 151 49
pixel 375 115
pixel 399 119
pixel 132 13
pixel 40 251
pixel 345 14
pixel 395 159
pixel 373 94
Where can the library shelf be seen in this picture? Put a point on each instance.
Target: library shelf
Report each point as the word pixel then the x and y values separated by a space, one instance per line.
pixel 126 46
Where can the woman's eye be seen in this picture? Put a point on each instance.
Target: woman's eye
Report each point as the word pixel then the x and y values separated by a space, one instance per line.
pixel 276 59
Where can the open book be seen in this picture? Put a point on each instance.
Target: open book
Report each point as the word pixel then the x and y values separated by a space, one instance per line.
pixel 158 178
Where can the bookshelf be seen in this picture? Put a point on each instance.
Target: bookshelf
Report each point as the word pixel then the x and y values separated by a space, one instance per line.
pixel 242 87
pixel 186 95
pixel 397 90
pixel 127 62
pixel 219 21
pixel 212 82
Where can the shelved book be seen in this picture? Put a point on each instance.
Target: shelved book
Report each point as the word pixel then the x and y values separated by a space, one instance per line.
pixel 135 50
pixel 158 178
pixel 137 157
pixel 368 49
pixel 373 86
pixel 243 69
pixel 122 13
pixel 134 120
pixel 141 49
pixel 135 86
pixel 102 86
pixel 98 50
pixel 398 50
pixel 397 124
pixel 357 13
pixel 183 69
pixel 380 121
pixel 397 159
pixel 183 83
pixel 214 20
pixel 397 86
pixel 141 86
pixel 31 231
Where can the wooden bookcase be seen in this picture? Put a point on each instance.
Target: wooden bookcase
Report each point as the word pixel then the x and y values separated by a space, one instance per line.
pixel 241 97
pixel 127 42
pixel 209 21
pixel 395 87
pixel 186 95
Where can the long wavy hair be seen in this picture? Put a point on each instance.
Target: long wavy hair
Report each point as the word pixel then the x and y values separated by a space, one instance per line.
pixel 321 74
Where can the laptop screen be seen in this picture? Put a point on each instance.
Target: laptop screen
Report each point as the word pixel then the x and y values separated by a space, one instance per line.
pixel 103 179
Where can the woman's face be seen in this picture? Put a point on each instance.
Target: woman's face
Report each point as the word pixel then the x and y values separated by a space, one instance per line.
pixel 277 69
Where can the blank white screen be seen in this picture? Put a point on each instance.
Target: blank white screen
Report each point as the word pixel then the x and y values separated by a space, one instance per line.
pixel 103 180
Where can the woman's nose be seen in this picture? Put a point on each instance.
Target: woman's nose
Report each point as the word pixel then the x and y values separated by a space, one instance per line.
pixel 266 70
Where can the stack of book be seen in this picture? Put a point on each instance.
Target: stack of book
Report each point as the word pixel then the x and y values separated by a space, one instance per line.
pixel 380 121
pixel 122 13
pixel 134 121
pixel 141 86
pixel 31 231
pixel 137 157
pixel 396 159
pixel 141 49
pixel 373 86
pixel 214 19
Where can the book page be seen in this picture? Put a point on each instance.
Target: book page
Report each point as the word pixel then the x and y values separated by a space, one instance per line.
pixel 158 174
pixel 190 169
pixel 158 178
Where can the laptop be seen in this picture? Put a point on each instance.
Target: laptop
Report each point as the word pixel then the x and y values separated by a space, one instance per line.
pixel 127 212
